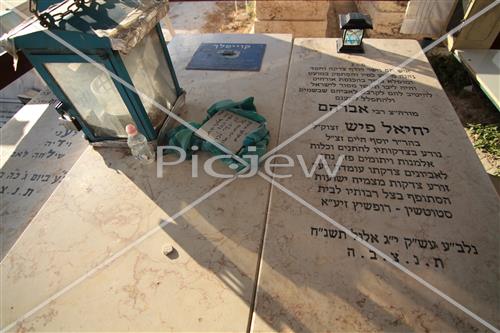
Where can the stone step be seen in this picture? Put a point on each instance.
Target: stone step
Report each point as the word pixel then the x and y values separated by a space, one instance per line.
pixel 292 10
pixel 297 28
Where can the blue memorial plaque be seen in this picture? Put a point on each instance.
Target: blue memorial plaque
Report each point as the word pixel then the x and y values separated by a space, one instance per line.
pixel 228 57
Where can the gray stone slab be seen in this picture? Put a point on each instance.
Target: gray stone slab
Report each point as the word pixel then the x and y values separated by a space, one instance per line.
pixel 410 185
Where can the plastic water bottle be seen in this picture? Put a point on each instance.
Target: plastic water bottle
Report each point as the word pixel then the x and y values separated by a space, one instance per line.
pixel 139 145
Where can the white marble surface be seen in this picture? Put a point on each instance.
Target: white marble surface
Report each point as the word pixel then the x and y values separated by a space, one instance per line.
pixel 315 279
pixel 108 200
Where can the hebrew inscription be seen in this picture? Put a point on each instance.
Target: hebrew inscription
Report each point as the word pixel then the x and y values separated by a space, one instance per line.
pixel 410 185
pixel 387 167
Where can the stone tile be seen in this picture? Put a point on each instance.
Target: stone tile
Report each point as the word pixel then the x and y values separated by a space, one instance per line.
pixel 291 10
pixel 410 185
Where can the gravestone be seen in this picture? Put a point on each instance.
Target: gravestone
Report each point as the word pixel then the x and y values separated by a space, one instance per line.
pixel 410 184
pixel 109 202
pixel 36 155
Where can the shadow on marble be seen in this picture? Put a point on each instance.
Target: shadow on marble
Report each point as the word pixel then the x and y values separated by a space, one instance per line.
pixel 205 249
pixel 16 132
pixel 394 59
pixel 385 57
pixel 204 237
pixel 209 254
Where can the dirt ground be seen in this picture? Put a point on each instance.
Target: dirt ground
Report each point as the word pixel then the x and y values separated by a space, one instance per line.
pixel 212 17
pixel 474 108
pixel 230 18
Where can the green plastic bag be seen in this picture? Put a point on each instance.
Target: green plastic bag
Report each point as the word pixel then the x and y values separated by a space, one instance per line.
pixel 185 138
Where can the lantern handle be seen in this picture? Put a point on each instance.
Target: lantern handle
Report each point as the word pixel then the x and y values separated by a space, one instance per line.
pixel 48 20
pixel 65 119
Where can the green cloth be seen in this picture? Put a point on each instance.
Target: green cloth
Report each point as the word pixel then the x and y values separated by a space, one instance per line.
pixel 184 138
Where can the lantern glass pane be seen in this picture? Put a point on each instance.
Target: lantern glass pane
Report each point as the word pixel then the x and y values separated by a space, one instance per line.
pixel 95 97
pixel 353 36
pixel 150 74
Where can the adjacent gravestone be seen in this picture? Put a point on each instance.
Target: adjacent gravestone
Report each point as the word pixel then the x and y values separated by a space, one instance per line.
pixel 410 184
pixel 36 155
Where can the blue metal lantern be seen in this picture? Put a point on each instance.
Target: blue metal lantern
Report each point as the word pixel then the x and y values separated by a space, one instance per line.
pixel 123 38
pixel 353 27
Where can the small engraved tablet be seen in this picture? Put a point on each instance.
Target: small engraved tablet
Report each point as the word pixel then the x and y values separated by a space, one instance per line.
pixel 228 129
pixel 228 57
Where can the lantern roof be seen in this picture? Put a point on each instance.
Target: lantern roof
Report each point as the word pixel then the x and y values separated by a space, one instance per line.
pixel 355 21
pixel 115 24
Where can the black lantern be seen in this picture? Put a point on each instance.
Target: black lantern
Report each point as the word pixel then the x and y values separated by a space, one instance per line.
pixel 353 27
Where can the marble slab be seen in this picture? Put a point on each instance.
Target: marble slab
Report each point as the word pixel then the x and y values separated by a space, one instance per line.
pixel 36 154
pixel 410 185
pixel 108 200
